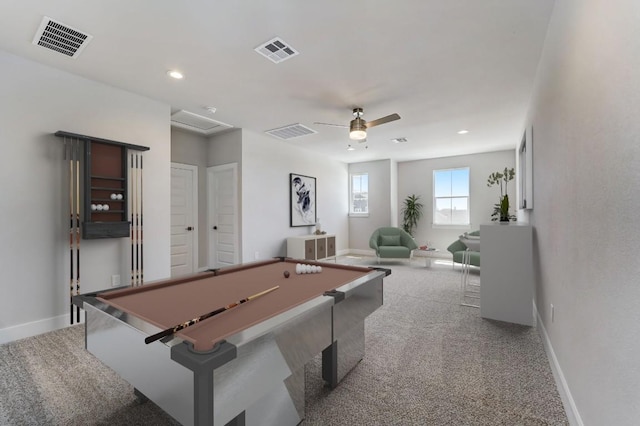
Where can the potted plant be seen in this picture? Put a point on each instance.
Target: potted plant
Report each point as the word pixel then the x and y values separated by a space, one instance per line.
pixel 501 209
pixel 411 213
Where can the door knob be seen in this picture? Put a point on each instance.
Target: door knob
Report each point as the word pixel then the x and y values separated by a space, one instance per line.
pixel 189 228
pixel 215 227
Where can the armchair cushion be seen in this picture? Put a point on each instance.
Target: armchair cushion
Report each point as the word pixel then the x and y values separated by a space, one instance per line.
pixel 389 240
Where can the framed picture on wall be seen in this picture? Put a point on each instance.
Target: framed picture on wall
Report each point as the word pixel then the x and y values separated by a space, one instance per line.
pixel 302 200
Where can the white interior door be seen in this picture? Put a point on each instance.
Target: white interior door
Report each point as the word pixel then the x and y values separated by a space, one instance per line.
pixel 184 217
pixel 223 215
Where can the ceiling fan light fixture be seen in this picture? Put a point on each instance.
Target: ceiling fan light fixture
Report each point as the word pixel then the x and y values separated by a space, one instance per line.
pixel 358 129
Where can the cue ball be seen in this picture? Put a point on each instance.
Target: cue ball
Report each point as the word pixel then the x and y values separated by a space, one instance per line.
pixel 286 274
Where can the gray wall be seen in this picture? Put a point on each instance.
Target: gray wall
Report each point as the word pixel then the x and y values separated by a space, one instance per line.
pixel 36 102
pixel 266 164
pixel 586 159
pixel 416 177
pixel 380 199
pixel 225 148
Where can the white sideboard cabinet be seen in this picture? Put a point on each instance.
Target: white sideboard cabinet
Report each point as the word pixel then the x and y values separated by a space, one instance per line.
pixel 312 247
pixel 506 272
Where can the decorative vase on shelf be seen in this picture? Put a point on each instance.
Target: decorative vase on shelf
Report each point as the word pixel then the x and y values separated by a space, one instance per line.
pixel 318 227
pixel 501 209
pixel 504 209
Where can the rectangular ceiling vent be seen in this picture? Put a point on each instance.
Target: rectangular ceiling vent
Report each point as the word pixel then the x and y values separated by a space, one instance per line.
pixel 399 140
pixel 197 123
pixel 61 38
pixel 291 131
pixel 276 50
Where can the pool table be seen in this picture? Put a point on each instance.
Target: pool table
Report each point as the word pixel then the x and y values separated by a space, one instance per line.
pixel 246 365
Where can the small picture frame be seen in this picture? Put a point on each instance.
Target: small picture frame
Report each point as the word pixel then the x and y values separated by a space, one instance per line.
pixel 302 199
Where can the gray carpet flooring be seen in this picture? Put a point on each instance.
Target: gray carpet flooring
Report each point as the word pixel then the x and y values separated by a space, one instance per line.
pixel 429 361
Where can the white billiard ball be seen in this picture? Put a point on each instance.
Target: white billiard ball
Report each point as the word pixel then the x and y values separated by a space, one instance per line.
pixel 114 196
pixel 314 269
pixel 319 269
pixel 119 196
pixel 307 269
pixel 105 207
pixel 93 207
pixel 99 207
pixel 298 269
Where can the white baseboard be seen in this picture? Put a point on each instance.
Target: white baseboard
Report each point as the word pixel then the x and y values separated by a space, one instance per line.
pixel 563 387
pixel 34 328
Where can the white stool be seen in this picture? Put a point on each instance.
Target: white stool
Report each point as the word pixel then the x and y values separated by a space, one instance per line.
pixel 470 295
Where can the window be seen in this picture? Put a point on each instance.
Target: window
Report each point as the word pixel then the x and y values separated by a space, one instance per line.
pixel 359 194
pixel 451 197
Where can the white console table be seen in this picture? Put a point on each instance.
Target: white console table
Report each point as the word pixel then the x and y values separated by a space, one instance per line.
pixel 312 247
pixel 506 274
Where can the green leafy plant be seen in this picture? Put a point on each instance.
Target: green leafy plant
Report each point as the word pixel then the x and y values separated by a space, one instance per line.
pixel 411 213
pixel 501 209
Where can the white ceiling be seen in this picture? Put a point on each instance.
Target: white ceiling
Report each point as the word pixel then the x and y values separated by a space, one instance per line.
pixel 443 65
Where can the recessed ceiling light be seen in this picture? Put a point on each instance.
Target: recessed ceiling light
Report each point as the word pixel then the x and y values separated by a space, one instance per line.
pixel 463 132
pixel 175 74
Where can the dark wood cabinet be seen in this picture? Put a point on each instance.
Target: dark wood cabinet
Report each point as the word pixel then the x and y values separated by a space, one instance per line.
pixel 105 171
pixel 105 191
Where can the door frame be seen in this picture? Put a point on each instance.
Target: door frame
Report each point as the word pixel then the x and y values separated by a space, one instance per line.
pixel 211 209
pixel 194 211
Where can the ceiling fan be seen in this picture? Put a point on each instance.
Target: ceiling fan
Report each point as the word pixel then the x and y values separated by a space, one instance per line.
pixel 358 127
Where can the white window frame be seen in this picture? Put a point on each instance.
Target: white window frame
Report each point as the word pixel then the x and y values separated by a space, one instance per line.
pixel 434 201
pixel 351 212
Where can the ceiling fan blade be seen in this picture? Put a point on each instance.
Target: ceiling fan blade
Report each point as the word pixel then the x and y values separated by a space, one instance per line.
pixel 331 124
pixel 383 120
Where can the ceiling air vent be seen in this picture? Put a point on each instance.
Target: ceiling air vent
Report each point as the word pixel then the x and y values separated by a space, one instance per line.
pixel 197 123
pixel 399 140
pixel 291 131
pixel 61 38
pixel 276 50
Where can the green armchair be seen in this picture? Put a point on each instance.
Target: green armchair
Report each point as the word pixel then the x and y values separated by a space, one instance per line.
pixel 457 249
pixel 392 243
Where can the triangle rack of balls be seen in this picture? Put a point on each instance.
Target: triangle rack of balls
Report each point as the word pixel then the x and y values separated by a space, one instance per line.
pixel 302 268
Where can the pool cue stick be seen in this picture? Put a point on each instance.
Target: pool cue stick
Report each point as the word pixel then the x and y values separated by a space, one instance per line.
pixel 196 320
pixel 137 218
pixel 138 221
pixel 77 151
pixel 141 225
pixel 67 151
pixel 131 210
pixel 134 246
